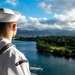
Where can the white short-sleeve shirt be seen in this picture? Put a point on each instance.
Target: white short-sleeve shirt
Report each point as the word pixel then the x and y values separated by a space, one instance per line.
pixel 12 61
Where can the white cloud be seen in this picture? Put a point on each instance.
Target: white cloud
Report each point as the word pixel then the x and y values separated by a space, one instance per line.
pixel 63 21
pixel 66 20
pixel 46 7
pixel 59 22
pixel 66 16
pixel 50 6
pixel 22 22
pixel 12 2
pixel 35 24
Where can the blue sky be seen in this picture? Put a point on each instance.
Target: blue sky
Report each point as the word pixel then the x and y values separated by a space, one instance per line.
pixel 26 7
pixel 54 16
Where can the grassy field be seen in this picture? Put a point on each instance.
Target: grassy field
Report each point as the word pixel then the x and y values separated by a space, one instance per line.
pixel 58 48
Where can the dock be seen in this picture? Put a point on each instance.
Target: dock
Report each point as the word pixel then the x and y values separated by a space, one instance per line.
pixel 36 68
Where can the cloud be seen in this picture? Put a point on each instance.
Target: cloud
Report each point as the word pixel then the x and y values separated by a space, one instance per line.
pixel 12 2
pixel 50 6
pixel 46 7
pixel 66 20
pixel 36 24
pixel 60 23
pixel 22 22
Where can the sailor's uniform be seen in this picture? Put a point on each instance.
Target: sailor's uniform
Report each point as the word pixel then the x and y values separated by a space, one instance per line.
pixel 12 61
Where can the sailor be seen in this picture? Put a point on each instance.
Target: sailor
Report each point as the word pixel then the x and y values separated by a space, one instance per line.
pixel 12 61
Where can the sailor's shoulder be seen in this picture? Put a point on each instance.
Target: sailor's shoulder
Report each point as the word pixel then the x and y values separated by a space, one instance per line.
pixel 17 53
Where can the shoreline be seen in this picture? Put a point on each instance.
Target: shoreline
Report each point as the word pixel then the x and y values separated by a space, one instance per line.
pixel 55 45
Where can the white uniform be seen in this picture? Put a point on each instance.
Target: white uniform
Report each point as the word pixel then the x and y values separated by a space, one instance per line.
pixel 12 61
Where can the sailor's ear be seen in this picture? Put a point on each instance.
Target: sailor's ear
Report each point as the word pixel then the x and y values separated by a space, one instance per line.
pixel 14 26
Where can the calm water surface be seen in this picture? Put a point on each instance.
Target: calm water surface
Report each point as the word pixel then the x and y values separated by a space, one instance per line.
pixel 51 65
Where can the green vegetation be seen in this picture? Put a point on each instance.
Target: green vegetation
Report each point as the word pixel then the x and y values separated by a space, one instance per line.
pixel 56 45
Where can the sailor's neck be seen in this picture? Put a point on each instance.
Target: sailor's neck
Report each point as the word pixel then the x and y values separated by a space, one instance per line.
pixel 10 39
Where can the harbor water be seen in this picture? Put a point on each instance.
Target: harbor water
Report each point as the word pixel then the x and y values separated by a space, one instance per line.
pixel 51 65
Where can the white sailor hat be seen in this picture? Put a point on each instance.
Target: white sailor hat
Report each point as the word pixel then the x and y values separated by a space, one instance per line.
pixel 7 15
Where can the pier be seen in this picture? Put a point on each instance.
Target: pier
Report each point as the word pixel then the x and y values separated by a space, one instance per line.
pixel 36 68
